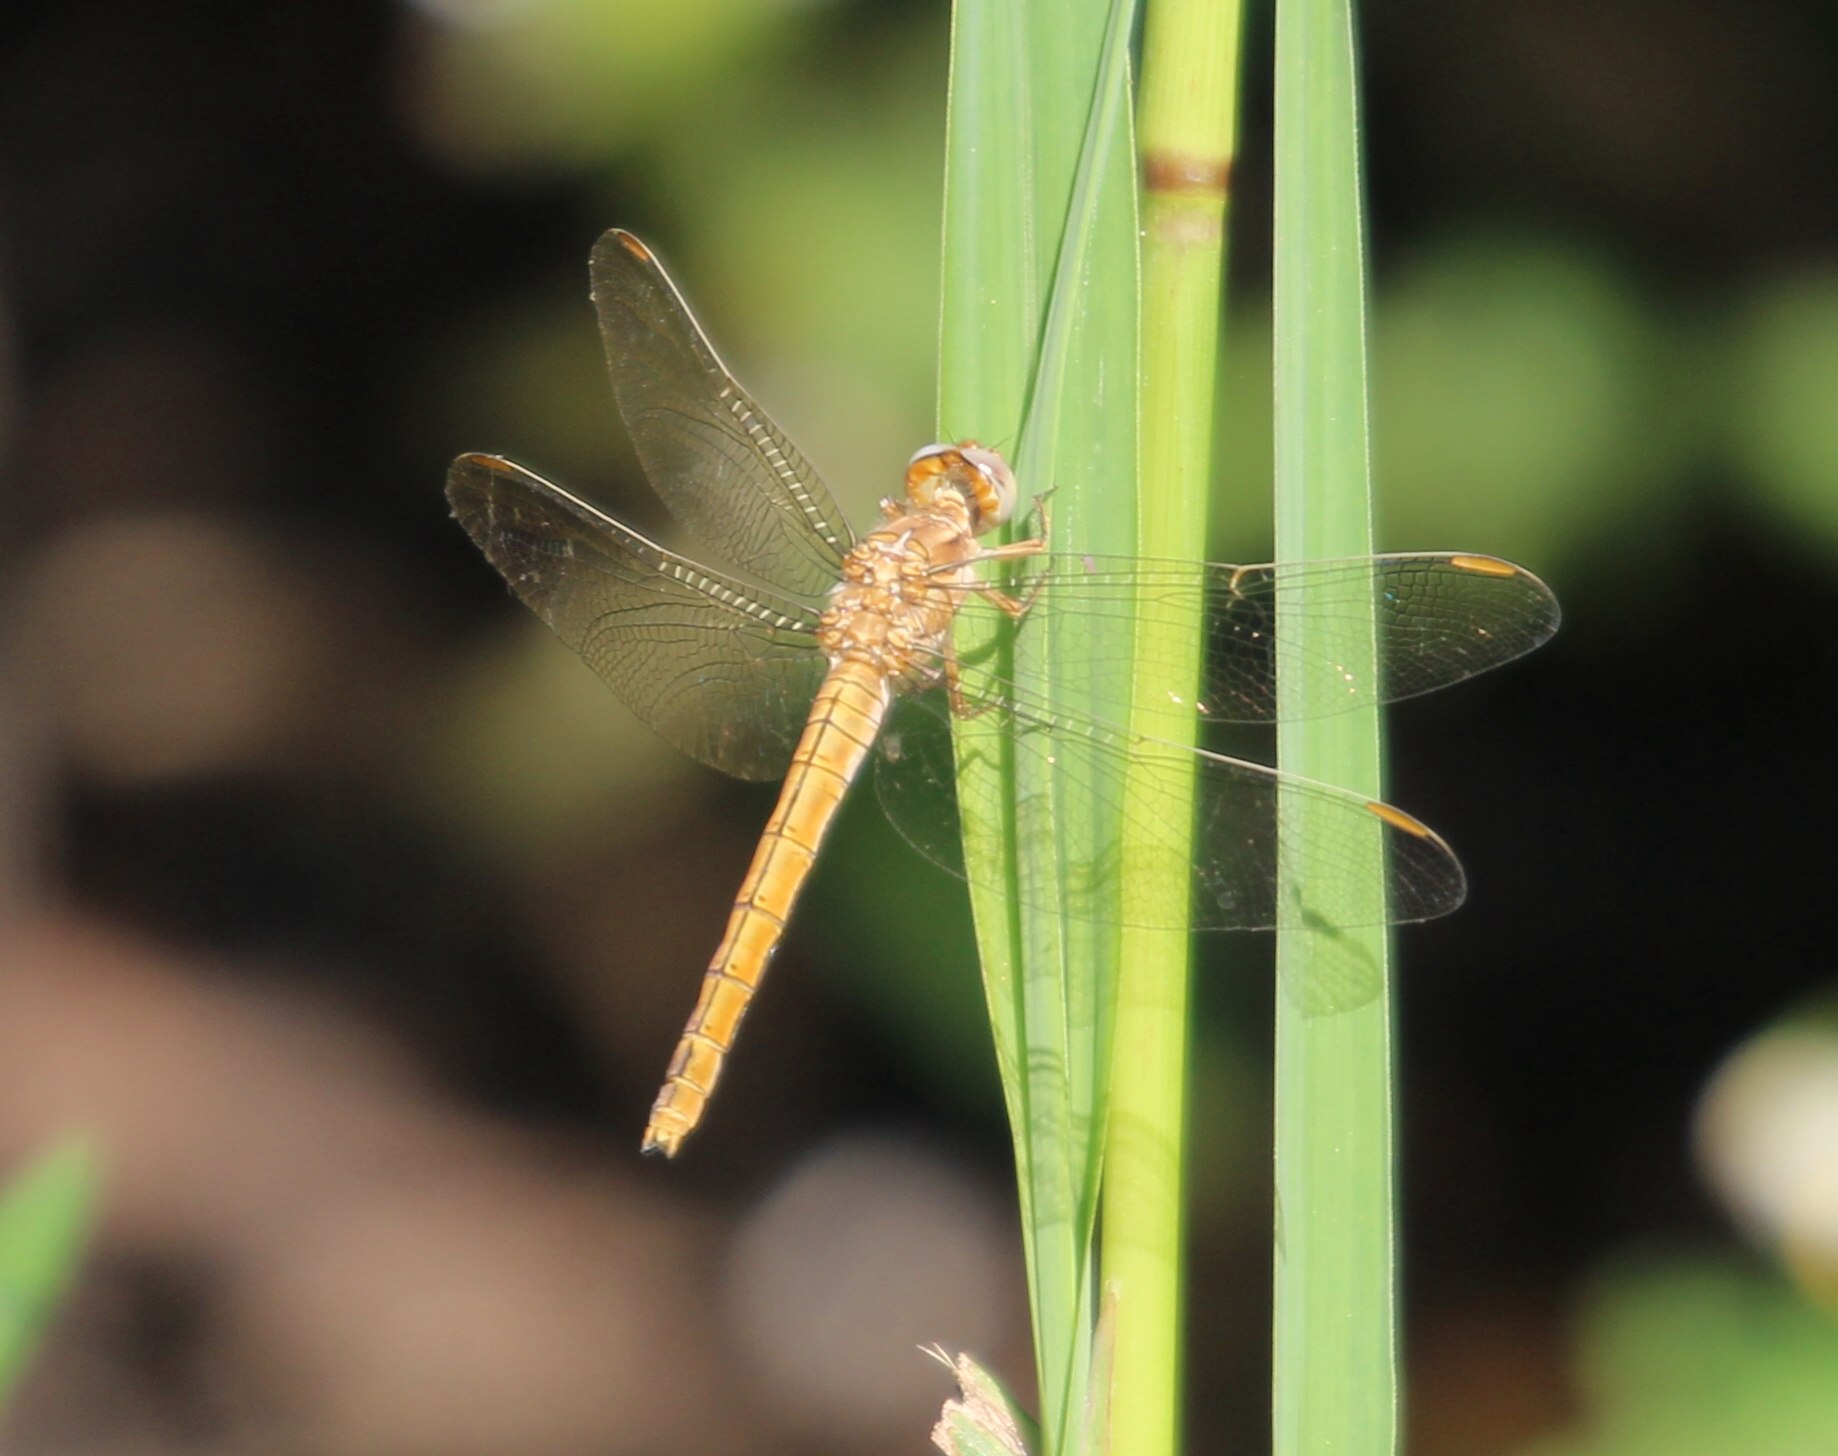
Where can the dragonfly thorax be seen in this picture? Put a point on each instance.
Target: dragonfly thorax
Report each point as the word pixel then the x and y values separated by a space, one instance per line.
pixel 978 475
pixel 900 587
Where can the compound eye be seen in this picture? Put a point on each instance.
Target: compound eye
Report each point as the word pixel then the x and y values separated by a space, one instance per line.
pixel 992 486
pixel 929 469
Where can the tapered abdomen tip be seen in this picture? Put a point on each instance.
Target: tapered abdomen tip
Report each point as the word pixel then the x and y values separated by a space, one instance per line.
pixel 664 1136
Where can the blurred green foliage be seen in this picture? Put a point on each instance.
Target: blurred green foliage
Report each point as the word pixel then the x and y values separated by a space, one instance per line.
pixel 1516 399
pixel 45 1217
pixel 1702 1357
pixel 576 83
pixel 1783 402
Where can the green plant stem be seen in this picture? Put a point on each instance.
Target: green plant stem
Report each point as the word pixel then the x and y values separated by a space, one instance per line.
pixel 1335 1375
pixel 1186 129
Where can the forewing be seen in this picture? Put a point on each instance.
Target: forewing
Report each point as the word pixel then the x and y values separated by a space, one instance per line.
pixel 721 466
pixel 723 670
pixel 1441 618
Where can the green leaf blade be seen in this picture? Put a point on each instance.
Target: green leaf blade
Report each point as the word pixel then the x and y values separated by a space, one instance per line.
pixel 1335 1375
pixel 1039 322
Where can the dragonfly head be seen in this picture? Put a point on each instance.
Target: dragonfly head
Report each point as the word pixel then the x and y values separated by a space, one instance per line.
pixel 979 476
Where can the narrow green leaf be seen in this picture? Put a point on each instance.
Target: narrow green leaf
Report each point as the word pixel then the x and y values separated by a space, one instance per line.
pixel 1040 248
pixel 990 306
pixel 45 1217
pixel 1335 1376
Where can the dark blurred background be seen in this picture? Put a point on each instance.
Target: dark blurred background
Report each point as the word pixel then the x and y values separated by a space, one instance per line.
pixel 357 920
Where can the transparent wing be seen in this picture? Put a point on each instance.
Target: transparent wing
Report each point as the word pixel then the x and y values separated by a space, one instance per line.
pixel 1441 618
pixel 720 465
pixel 1244 824
pixel 724 671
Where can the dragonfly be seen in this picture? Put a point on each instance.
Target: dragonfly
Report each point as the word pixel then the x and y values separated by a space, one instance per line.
pixel 813 650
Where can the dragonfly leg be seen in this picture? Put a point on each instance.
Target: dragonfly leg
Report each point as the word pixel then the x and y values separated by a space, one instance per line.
pixel 1015 607
pixel 1040 513
pixel 961 706
pixel 954 684
pixel 1033 546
